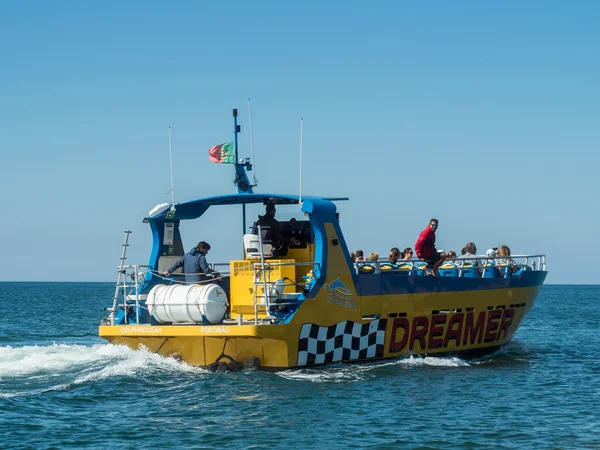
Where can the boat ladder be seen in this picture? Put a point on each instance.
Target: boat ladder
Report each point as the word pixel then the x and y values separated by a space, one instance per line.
pixel 121 279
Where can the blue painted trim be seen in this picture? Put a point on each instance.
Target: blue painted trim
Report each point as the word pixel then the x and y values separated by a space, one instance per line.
pixel 321 212
pixel 398 283
pixel 158 249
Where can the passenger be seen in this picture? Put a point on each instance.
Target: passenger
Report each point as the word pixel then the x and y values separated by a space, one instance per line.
pixel 490 253
pixel 373 256
pixel 194 264
pixel 451 254
pixel 294 241
pixel 407 254
pixel 360 256
pixel 395 255
pixel 272 232
pixel 470 251
pixel 425 247
pixel 463 251
pixel 353 257
pixel 504 252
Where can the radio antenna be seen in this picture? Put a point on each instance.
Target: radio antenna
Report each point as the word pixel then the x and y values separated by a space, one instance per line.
pixel 252 143
pixel 171 167
pixel 301 148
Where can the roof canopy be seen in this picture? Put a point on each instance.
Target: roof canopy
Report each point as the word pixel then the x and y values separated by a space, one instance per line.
pixel 195 208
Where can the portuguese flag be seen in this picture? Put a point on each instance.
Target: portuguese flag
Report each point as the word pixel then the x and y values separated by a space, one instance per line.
pixel 222 153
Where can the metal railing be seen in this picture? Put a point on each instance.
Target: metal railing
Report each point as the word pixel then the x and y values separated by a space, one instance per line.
pixel 130 277
pixel 262 278
pixel 483 264
pixel 128 284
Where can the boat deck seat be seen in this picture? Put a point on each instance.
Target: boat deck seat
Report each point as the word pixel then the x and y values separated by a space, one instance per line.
pixel 252 247
pixel 366 268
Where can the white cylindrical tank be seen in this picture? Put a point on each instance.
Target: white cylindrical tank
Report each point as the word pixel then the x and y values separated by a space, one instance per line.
pixel 187 303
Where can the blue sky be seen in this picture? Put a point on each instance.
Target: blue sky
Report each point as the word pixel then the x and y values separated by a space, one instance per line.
pixel 482 114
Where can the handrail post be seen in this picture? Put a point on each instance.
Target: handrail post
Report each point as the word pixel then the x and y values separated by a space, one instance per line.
pixel 137 296
pixel 264 275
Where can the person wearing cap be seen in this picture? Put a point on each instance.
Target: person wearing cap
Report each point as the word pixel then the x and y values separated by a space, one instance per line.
pixel 270 229
pixel 425 248
pixel 194 264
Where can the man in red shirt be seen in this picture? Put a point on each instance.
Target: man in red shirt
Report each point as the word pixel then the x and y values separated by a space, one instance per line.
pixel 425 247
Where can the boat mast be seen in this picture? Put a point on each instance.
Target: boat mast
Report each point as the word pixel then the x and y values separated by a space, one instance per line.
pixel 241 166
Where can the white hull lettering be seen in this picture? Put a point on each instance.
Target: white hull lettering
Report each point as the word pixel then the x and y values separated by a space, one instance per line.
pixel 140 330
pixel 220 330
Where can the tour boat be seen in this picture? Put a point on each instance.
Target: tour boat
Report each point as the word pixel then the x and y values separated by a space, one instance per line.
pixel 307 304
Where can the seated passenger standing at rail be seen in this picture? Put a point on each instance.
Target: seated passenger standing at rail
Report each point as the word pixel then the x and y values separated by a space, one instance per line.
pixel 194 264
pixel 425 248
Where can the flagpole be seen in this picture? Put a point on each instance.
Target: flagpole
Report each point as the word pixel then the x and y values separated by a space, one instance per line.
pixel 236 130
pixel 241 165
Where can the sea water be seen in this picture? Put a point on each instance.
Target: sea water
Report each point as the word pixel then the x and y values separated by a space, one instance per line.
pixel 63 387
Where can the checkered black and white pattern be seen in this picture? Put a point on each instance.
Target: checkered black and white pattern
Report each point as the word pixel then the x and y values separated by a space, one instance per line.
pixel 344 341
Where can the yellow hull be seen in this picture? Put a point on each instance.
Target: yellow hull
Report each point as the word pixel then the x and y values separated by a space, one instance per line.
pixel 328 327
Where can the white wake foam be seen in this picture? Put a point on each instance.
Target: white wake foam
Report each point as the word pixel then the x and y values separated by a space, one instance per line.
pixel 358 372
pixel 433 361
pixel 88 362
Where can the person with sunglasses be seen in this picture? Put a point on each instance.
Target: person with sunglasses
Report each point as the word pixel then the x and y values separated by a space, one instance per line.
pixel 407 254
pixel 194 264
pixel 425 248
